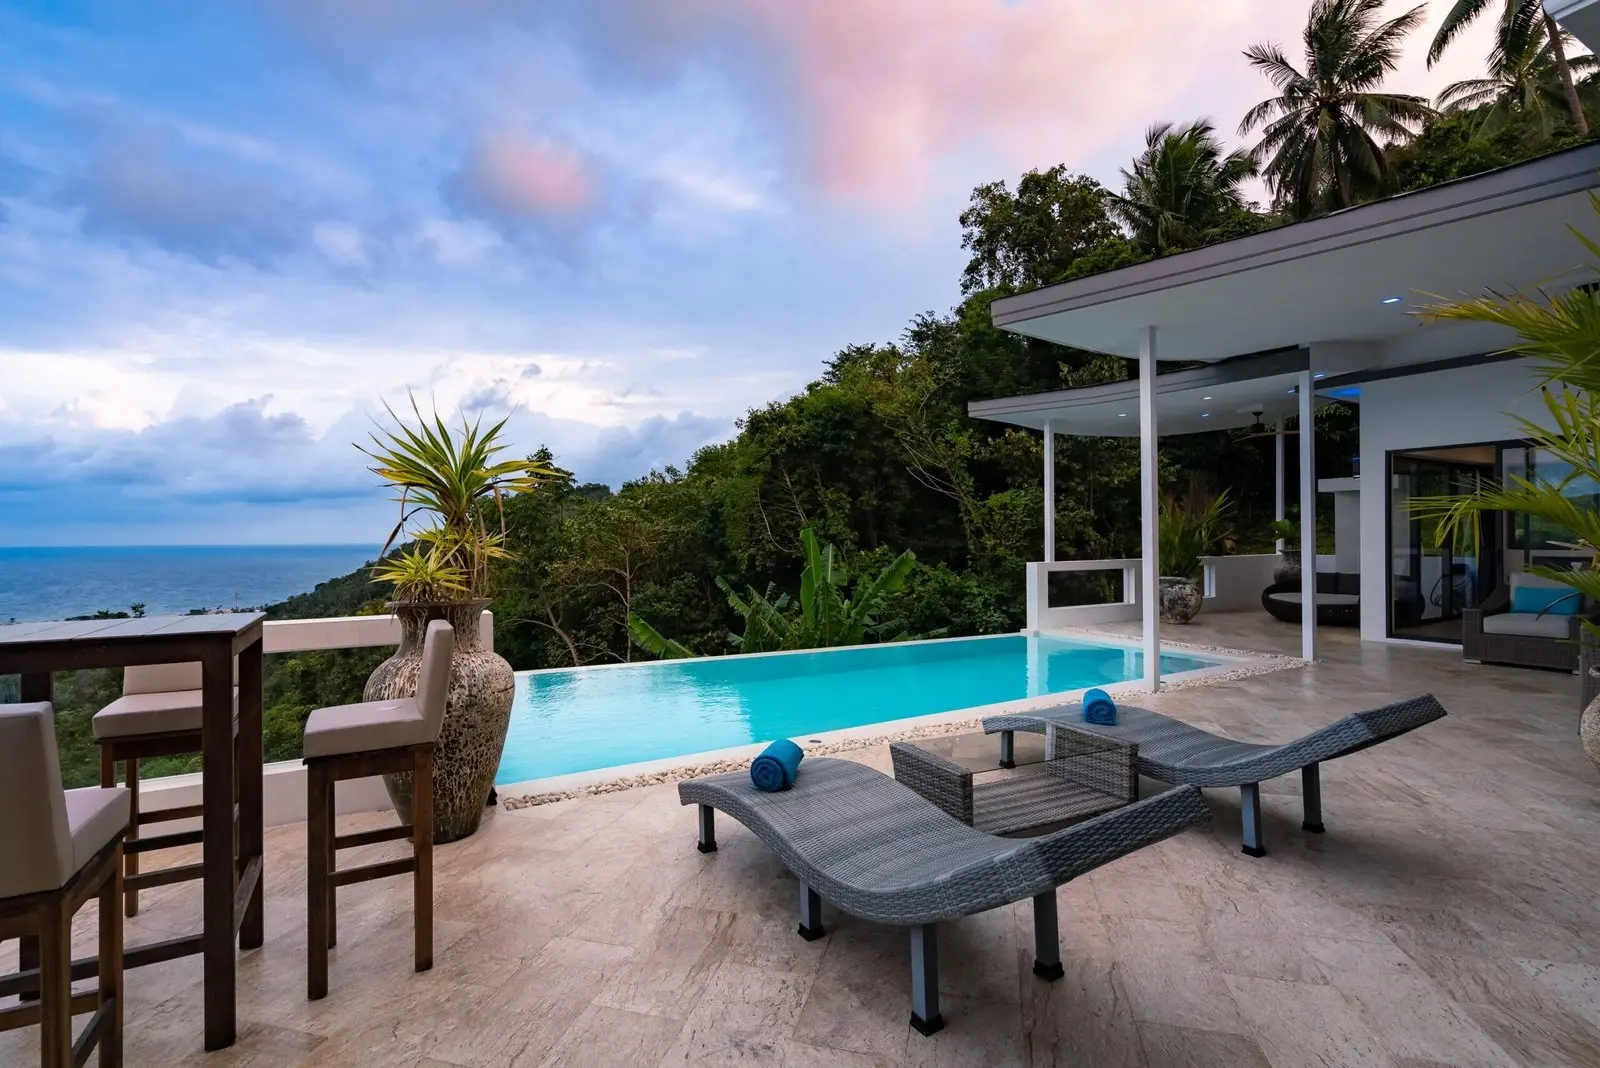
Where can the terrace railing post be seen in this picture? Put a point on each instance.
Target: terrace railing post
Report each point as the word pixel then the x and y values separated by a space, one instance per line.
pixel 1046 938
pixel 708 830
pixel 1250 816
pixel 1311 793
pixel 925 1016
pixel 810 914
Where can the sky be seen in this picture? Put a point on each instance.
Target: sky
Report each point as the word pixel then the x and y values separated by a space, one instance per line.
pixel 232 231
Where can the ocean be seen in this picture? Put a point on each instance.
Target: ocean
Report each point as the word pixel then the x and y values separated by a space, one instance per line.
pixel 53 583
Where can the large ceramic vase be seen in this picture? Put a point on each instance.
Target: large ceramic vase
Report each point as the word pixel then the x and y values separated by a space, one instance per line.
pixel 476 715
pixel 1589 730
pixel 1180 599
pixel 1287 570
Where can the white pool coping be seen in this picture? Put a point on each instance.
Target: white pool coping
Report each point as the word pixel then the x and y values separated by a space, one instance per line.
pixel 1230 663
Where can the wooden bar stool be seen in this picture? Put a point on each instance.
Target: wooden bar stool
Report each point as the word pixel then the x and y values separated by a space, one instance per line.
pixel 157 715
pixel 58 849
pixel 375 738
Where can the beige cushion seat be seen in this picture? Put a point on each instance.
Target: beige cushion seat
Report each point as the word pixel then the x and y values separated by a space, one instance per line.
pixel 366 726
pixel 48 834
pixel 137 714
pixel 1528 624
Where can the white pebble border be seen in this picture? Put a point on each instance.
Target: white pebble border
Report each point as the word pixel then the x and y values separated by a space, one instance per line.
pixel 1262 664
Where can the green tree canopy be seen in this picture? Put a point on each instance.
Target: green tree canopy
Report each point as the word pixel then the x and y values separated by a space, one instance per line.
pixel 1319 149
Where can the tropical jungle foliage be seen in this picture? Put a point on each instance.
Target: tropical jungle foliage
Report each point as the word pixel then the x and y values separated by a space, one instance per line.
pixel 823 617
pixel 878 458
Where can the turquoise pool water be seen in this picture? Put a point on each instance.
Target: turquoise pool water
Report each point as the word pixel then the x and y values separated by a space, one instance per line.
pixel 580 719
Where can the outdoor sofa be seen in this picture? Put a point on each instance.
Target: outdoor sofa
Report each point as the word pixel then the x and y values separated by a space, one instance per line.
pixel 1175 752
pixel 1496 633
pixel 877 850
pixel 1338 600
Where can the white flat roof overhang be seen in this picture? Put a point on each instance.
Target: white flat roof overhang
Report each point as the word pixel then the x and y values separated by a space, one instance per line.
pixel 1581 18
pixel 1221 396
pixel 1336 278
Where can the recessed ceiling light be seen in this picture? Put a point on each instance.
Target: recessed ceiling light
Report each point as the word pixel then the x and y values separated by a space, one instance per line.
pixel 1291 390
pixel 1391 300
pixel 1122 415
pixel 1205 415
pixel 1205 398
pixel 1320 374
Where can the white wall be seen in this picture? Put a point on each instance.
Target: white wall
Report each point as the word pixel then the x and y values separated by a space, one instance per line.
pixel 1465 406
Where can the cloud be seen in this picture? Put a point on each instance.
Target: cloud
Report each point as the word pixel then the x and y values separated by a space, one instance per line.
pixel 147 181
pixel 507 177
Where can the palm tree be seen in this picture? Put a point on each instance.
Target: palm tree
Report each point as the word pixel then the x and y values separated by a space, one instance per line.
pixel 1317 133
pixel 1524 79
pixel 1183 184
pixel 1524 11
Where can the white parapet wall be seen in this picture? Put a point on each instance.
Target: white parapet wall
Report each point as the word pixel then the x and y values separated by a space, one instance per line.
pixel 1230 582
pixel 284 784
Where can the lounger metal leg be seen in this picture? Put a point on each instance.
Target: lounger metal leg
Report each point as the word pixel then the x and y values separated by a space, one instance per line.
pixel 1311 791
pixel 1046 938
pixel 1008 749
pixel 708 830
pixel 925 979
pixel 1250 815
pixel 810 914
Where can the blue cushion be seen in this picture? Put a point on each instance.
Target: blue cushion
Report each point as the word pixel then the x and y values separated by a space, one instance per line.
pixel 777 766
pixel 1099 708
pixel 1545 601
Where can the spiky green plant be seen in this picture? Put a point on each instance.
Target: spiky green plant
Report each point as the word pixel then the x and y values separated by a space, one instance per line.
pixel 448 478
pixel 421 575
pixel 1192 526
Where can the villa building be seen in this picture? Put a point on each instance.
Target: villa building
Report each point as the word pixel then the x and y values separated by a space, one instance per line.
pixel 1324 310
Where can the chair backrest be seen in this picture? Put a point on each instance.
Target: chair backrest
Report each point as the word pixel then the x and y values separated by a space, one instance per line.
pixel 167 678
pixel 433 682
pixel 35 838
pixel 161 678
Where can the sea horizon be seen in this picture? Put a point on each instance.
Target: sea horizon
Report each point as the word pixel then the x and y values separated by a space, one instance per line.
pixel 44 582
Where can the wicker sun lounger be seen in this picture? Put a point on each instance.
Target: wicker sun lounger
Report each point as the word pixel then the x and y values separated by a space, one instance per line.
pixel 877 850
pixel 1172 751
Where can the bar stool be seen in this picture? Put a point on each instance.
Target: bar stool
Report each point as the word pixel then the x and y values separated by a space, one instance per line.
pixel 375 738
pixel 157 715
pixel 58 849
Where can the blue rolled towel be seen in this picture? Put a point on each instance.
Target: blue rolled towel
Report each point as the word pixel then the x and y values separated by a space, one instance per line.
pixel 777 766
pixel 1099 708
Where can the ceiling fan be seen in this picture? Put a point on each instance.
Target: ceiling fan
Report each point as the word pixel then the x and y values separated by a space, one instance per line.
pixel 1258 429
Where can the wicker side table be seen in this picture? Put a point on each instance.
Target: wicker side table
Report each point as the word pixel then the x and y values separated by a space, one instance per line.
pixel 1075 775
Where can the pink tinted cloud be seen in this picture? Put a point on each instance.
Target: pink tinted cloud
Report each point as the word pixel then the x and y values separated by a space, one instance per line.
pixel 890 87
pixel 518 178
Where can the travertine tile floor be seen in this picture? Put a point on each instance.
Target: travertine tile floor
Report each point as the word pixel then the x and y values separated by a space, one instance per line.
pixel 1450 916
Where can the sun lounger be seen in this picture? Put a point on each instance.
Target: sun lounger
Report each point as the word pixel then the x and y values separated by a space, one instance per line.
pixel 1175 752
pixel 877 850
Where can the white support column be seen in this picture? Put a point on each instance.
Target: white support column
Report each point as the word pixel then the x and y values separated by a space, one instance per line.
pixel 1049 492
pixel 1149 510
pixel 1277 502
pixel 1308 518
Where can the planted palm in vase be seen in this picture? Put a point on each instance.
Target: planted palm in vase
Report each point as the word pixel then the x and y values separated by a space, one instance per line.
pixel 1190 528
pixel 450 488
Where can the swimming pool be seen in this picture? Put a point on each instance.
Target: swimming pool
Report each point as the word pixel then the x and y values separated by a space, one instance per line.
pixel 579 719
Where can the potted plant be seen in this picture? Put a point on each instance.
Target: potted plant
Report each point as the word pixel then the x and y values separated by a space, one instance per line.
pixel 450 488
pixel 1287 570
pixel 1191 528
